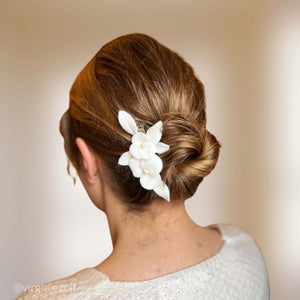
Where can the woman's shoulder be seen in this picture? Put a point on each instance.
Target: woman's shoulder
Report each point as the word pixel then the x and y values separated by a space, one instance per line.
pixel 70 287
pixel 240 244
pixel 243 249
pixel 229 231
pixel 233 234
pixel 239 240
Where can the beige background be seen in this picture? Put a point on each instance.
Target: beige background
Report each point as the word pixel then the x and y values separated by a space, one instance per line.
pixel 247 53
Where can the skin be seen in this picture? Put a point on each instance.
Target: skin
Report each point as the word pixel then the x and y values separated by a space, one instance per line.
pixel 162 240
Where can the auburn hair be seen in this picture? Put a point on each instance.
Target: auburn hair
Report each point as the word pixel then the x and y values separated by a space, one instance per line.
pixel 136 73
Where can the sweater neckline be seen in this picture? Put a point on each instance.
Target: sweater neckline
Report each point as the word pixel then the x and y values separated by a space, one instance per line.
pixel 177 273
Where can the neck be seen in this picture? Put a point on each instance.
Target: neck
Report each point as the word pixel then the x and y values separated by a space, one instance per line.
pixel 160 224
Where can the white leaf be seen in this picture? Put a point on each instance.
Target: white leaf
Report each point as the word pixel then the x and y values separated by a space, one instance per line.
pixel 163 191
pixel 155 132
pixel 161 147
pixel 127 122
pixel 124 159
pixel 149 182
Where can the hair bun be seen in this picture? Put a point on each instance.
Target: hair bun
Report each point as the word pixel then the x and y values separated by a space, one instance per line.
pixel 193 153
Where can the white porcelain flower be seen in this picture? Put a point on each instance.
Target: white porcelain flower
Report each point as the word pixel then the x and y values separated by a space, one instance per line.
pixel 141 157
pixel 147 170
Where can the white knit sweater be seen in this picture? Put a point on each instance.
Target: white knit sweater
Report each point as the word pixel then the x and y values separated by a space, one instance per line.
pixel 237 271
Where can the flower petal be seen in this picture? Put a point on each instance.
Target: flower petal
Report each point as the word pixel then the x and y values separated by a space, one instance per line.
pixel 155 132
pixel 163 191
pixel 148 151
pixel 161 147
pixel 134 165
pixel 127 122
pixel 124 159
pixel 140 137
pixel 149 182
pixel 154 165
pixel 134 150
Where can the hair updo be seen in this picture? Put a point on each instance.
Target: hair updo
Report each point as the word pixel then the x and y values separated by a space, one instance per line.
pixel 136 73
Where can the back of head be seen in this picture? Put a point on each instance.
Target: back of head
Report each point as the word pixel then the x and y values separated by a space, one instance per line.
pixel 136 73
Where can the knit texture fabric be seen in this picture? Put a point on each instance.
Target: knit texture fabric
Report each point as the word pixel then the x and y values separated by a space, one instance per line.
pixel 236 271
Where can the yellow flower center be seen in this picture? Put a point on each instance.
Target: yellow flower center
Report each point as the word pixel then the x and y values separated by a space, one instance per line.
pixel 143 145
pixel 146 171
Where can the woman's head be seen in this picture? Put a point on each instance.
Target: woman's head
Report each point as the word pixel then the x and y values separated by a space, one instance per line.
pixel 136 73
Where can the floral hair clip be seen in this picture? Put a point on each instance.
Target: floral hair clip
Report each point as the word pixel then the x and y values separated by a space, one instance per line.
pixel 141 157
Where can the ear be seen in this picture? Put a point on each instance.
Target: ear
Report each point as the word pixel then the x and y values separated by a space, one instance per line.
pixel 88 157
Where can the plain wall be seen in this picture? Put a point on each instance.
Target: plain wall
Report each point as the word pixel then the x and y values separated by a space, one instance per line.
pixel 247 54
